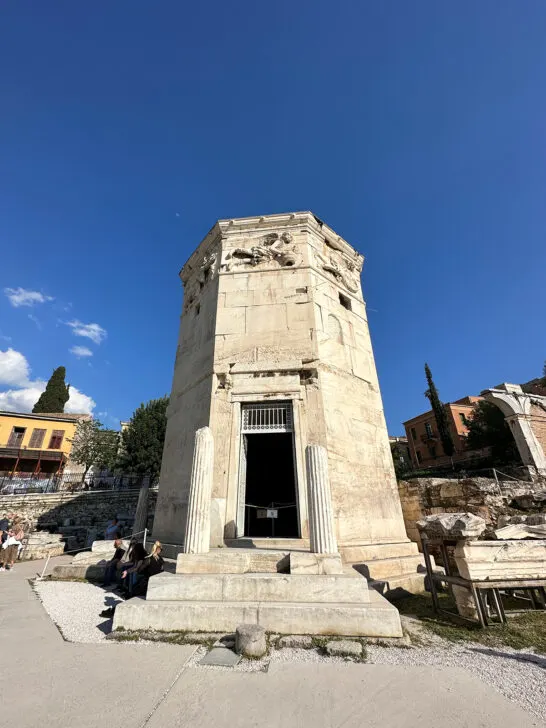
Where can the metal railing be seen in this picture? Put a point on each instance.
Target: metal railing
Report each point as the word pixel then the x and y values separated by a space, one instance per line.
pixel 22 483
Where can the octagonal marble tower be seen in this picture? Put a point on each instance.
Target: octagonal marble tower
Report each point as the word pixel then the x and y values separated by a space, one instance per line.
pixel 274 353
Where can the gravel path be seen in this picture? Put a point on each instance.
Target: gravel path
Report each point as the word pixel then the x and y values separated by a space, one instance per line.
pixel 75 608
pixel 519 675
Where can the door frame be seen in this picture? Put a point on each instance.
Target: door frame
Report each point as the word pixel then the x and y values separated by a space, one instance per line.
pixel 237 489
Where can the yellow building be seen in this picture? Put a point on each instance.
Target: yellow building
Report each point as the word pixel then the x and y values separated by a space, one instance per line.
pixel 35 444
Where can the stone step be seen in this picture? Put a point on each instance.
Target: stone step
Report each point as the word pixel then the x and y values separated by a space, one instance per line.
pixel 233 561
pixel 278 544
pixel 385 568
pixel 372 552
pixel 378 618
pixel 92 572
pixel 400 585
pixel 351 589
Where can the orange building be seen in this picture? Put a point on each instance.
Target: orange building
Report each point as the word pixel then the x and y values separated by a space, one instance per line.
pixel 424 441
pixel 36 444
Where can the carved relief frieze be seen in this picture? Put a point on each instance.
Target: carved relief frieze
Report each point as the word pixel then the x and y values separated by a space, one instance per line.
pixel 195 280
pixel 343 268
pixel 271 249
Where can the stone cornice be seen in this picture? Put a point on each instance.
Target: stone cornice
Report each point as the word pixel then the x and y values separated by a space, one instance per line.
pixel 264 224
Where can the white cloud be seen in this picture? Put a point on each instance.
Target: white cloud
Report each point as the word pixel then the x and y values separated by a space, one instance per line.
pixel 91 331
pixel 21 400
pixel 80 351
pixel 79 403
pixel 24 392
pixel 23 297
pixel 14 368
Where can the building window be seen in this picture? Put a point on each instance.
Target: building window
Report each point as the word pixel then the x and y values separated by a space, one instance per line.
pixel 413 434
pixel 56 440
pixel 428 428
pixel 432 451
pixel 463 418
pixel 16 437
pixel 345 302
pixel 419 458
pixel 37 437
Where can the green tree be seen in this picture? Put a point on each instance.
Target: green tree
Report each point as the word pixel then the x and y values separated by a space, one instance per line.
pixel 56 394
pixel 440 414
pixel 142 441
pixel 488 428
pixel 93 445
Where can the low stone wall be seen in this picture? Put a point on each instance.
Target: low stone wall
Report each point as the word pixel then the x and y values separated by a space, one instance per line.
pixel 483 497
pixel 77 511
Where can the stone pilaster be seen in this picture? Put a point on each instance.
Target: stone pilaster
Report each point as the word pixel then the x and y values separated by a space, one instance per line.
pixel 321 517
pixel 141 515
pixel 197 537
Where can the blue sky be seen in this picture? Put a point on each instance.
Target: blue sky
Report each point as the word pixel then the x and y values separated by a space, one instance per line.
pixel 416 130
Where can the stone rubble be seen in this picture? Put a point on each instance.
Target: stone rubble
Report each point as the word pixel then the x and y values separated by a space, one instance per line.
pixel 301 641
pixel 250 640
pixel 344 648
pixel 452 526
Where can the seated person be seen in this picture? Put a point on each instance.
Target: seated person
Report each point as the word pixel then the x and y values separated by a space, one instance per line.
pixel 113 564
pixel 112 531
pixel 150 566
pixel 131 570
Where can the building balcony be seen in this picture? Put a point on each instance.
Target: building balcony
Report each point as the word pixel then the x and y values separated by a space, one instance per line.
pixel 27 453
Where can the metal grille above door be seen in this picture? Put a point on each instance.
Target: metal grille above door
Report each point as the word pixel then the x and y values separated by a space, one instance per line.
pixel 268 417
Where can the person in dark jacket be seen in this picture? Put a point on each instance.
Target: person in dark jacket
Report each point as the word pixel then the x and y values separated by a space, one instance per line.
pixel 113 564
pixel 136 578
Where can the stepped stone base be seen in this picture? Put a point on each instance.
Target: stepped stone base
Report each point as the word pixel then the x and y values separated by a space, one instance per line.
pixel 377 618
pixel 279 544
pixel 396 587
pixel 233 561
pixel 224 588
pixel 398 565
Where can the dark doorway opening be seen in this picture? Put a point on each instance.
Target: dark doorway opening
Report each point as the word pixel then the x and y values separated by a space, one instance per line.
pixel 270 484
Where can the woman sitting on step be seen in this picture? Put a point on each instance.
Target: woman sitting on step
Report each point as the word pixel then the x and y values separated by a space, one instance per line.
pixel 137 577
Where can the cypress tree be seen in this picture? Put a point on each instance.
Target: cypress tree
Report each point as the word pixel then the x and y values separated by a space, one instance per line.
pixel 56 394
pixel 439 414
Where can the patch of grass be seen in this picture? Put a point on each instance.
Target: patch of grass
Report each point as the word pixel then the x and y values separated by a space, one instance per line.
pixel 522 631
pixel 172 638
pixel 80 579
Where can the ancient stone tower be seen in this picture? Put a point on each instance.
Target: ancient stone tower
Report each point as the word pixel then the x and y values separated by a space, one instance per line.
pixel 274 354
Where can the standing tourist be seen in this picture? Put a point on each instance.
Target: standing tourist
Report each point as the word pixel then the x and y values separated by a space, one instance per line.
pixel 10 547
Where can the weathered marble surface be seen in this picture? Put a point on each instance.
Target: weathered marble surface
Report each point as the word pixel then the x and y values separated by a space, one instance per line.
pixel 452 526
pixel 273 309
pixel 501 559
pixel 197 536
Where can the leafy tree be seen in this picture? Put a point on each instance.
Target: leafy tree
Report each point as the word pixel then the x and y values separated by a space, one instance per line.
pixel 544 375
pixel 56 394
pixel 488 428
pixel 439 414
pixel 94 446
pixel 142 441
